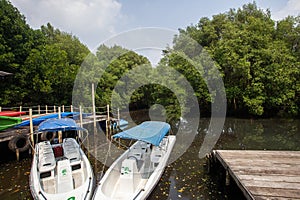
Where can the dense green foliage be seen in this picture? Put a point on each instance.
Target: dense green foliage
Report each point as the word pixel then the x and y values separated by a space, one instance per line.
pixel 257 58
pixel 44 62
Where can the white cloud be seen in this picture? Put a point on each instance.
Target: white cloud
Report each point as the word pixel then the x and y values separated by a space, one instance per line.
pixel 292 7
pixel 90 20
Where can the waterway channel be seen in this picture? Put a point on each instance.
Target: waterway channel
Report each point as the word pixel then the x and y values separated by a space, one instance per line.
pixel 185 178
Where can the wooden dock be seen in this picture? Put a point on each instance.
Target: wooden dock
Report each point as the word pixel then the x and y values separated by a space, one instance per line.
pixel 263 174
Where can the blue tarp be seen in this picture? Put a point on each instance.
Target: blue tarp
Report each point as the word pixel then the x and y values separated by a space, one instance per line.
pixel 53 125
pixel 38 120
pixel 151 131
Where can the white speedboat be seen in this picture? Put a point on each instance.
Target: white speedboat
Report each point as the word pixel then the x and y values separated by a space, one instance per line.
pixel 137 171
pixel 60 171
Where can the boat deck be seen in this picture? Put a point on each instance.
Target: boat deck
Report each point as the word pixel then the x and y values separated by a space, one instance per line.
pixel 263 174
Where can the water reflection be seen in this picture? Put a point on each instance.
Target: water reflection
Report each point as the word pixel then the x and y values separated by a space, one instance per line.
pixel 186 177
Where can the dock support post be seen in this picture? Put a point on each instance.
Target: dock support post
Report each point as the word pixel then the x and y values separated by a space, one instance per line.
pixel 0 109
pixel 108 122
pixel 18 155
pixel 59 132
pixel 39 109
pixel 80 120
pixel 54 109
pixel 20 108
pixel 71 108
pixel 63 108
pixel 80 116
pixel 94 119
pixel 208 162
pixel 31 129
pixel 227 180
pixel 94 107
pixel 118 123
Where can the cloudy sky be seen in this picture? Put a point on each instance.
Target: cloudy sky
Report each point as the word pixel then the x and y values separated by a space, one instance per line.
pixel 94 21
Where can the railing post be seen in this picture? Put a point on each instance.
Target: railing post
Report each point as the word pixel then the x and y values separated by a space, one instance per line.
pixel 31 128
pixel 80 123
pixel 94 107
pixel 59 132
pixel 118 123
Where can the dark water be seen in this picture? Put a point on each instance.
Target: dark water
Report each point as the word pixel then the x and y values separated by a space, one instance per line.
pixel 186 178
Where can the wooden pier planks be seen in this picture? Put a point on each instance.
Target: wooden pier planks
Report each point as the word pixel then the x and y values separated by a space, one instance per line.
pixel 263 174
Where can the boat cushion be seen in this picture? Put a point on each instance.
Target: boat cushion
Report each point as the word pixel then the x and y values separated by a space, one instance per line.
pixel 156 155
pixel 64 176
pixel 71 150
pixel 58 151
pixel 46 157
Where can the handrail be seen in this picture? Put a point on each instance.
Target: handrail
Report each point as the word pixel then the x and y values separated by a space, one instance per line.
pixel 87 192
pixel 142 190
pixel 42 195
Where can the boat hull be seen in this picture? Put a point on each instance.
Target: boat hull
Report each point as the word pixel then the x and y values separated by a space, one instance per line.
pixel 146 186
pixel 84 191
pixel 12 113
pixel 8 122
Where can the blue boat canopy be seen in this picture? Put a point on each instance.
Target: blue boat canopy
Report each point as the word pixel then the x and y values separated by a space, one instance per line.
pixel 151 131
pixel 36 121
pixel 53 125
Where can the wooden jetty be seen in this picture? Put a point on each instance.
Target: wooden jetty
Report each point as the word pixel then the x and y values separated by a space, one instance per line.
pixel 263 174
pixel 15 136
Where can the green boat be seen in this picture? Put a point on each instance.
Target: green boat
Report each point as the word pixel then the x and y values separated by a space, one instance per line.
pixel 8 122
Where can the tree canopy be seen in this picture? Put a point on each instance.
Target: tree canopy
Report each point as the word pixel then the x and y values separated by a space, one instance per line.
pixel 257 58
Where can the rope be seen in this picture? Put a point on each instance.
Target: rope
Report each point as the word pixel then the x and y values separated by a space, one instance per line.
pixel 32 147
pixel 106 158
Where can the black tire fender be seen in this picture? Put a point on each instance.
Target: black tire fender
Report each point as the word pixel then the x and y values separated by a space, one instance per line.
pixel 48 136
pixel 20 142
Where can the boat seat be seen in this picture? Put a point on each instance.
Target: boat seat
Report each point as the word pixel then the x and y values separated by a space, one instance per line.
pixel 142 146
pixel 64 176
pixel 135 153
pixel 156 155
pixel 71 150
pixel 46 157
pixel 129 176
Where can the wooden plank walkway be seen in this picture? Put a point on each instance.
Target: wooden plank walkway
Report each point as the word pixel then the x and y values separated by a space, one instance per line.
pixel 263 174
